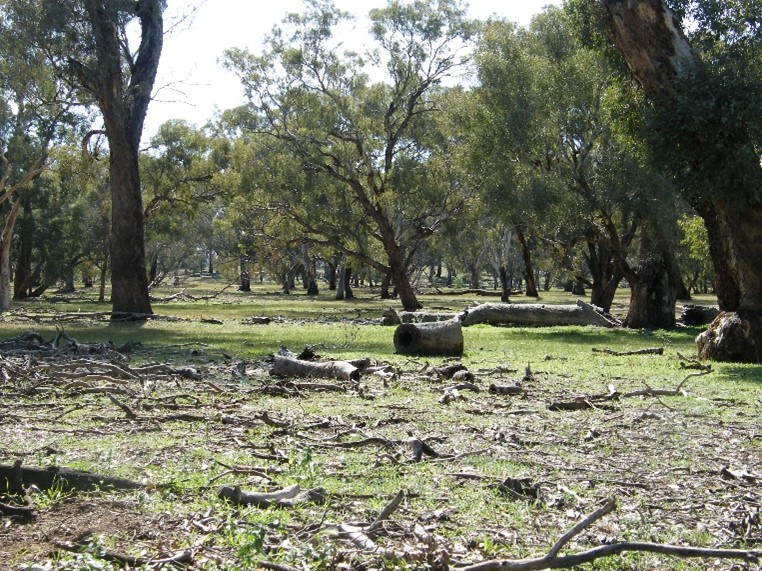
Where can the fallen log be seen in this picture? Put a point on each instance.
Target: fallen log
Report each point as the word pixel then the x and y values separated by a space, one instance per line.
pixel 438 338
pixel 14 476
pixel 292 367
pixel 534 314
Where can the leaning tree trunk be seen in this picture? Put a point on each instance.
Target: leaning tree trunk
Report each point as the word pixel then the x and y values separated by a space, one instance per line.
pixel 398 274
pixel 659 56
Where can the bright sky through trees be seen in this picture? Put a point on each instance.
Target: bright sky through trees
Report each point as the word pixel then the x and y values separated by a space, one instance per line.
pixel 192 84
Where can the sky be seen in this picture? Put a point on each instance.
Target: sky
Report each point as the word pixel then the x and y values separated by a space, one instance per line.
pixel 192 85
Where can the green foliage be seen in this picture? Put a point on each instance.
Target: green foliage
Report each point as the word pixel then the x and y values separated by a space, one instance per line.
pixel 710 138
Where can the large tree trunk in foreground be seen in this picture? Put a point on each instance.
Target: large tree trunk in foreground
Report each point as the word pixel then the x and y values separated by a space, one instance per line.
pixel 124 106
pixel 659 56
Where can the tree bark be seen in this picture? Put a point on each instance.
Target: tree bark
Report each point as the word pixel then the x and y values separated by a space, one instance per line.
pixel 526 255
pixel 606 277
pixel 5 256
pixel 22 278
pixel 659 56
pixel 444 338
pixel 533 315
pixel 124 108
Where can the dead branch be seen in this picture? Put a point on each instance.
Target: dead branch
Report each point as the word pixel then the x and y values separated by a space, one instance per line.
pixel 593 401
pixel 650 351
pixel 553 561
pixel 286 497
pixel 66 478
pixel 184 296
pixel 361 536
pixel 127 410
pixel 21 511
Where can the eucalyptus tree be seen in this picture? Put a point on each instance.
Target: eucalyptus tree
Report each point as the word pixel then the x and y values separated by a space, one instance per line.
pixel 185 178
pixel 64 223
pixel 362 144
pixel 88 42
pixel 37 110
pixel 706 94
pixel 552 113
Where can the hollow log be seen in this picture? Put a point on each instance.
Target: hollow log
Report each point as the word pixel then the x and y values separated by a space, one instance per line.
pixel 290 367
pixel 438 338
pixel 534 314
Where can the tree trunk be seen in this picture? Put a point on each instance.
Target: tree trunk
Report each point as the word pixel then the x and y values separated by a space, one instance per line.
pixel 104 273
pixel 23 278
pixel 606 277
pixel 659 55
pixel 474 271
pixel 405 290
pixel 505 285
pixel 245 275
pixel 386 281
pixel 652 297
pixel 348 293
pixel 123 106
pixel 5 256
pixel 129 283
pixel 526 255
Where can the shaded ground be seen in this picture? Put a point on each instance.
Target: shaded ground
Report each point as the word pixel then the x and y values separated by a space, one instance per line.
pixel 512 469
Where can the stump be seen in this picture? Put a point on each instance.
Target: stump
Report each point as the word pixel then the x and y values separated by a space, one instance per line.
pixel 734 337
pixel 443 338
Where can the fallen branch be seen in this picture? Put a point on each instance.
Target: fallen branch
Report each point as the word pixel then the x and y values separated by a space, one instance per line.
pixel 649 351
pixel 553 561
pixel 593 401
pixel 287 497
pixel 67 479
pixel 292 367
pixel 22 511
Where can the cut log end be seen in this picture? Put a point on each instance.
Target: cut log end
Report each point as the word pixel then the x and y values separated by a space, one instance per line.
pixel 443 338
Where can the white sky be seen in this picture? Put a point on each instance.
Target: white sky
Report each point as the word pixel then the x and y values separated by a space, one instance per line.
pixel 192 85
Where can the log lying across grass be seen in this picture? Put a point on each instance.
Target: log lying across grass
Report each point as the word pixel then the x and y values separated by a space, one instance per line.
pixel 536 314
pixel 439 334
pixel 291 367
pixel 15 478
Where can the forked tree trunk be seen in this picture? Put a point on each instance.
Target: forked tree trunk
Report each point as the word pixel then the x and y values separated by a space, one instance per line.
pixel 659 55
pixel 526 255
pixel 123 106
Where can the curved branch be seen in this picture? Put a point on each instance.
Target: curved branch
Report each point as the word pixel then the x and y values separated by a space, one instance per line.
pixel 553 561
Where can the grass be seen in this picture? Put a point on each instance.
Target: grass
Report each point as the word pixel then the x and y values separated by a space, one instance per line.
pixel 662 458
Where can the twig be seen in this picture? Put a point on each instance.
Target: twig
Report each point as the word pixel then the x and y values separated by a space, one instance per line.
pixel 127 410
